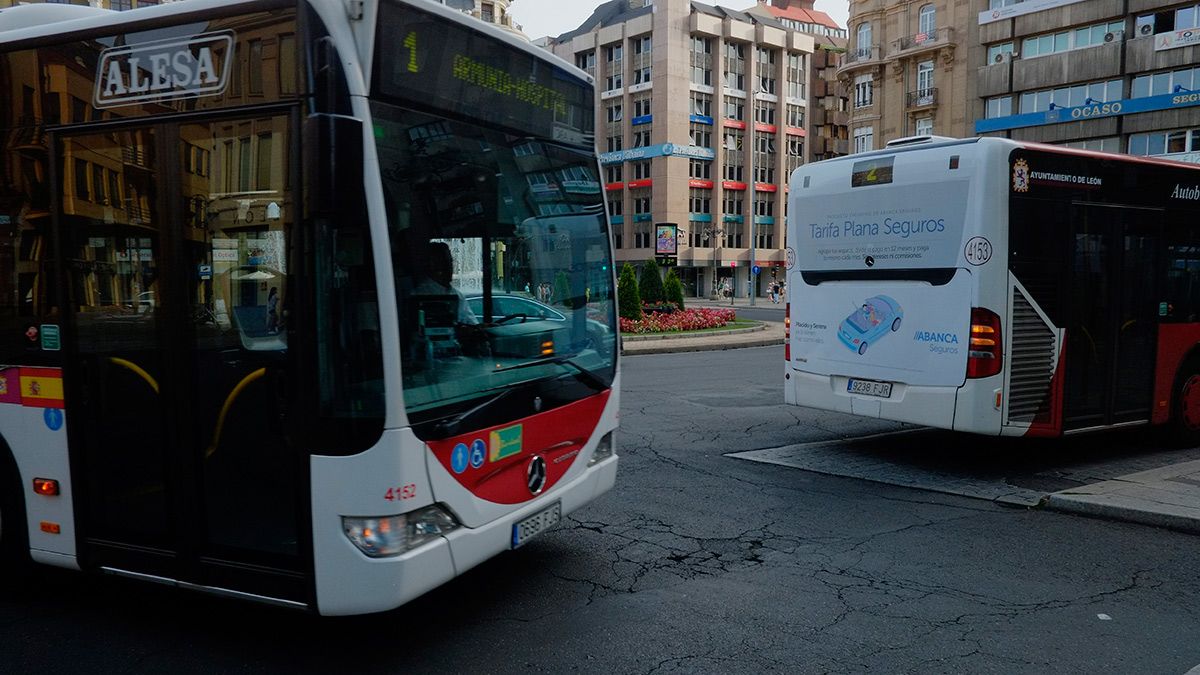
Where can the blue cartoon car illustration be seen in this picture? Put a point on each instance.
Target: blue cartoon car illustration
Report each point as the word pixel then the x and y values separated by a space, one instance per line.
pixel 878 316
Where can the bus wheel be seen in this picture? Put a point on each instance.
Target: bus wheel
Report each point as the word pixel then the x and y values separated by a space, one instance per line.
pixel 896 325
pixel 1187 409
pixel 862 349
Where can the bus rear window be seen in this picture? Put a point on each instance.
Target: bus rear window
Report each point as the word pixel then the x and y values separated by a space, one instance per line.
pixel 872 172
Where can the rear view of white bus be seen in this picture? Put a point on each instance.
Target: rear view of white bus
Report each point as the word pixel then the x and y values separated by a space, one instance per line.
pixel 897 284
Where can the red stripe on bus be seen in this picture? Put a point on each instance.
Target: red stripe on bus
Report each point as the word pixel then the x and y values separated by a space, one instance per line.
pixel 558 436
pixel 1049 419
pixel 1175 342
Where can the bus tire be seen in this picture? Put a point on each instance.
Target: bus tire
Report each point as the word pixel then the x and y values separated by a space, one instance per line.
pixel 1185 417
pixel 896 325
pixel 14 539
pixel 862 349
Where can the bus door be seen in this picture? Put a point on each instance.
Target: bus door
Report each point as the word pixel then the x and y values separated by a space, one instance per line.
pixel 1112 318
pixel 175 239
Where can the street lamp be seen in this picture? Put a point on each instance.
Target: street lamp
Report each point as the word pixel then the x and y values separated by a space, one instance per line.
pixel 750 289
pixel 709 234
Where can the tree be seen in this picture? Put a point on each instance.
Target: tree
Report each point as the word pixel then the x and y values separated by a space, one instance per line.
pixel 650 284
pixel 673 288
pixel 629 301
pixel 562 290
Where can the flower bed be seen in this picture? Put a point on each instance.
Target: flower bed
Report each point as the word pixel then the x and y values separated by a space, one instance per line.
pixel 683 320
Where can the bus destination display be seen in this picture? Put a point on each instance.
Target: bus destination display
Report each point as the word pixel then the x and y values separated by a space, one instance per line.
pixel 434 61
pixel 872 172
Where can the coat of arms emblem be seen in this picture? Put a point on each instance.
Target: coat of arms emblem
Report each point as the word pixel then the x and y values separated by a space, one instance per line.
pixel 1020 176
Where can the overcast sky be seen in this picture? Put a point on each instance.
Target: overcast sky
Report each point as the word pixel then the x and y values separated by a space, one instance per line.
pixel 555 17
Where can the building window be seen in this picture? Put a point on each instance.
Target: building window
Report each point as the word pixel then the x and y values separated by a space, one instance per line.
pixel 1069 97
pixel 995 53
pixel 702 61
pixel 701 135
pixel 614 59
pixel 615 143
pixel 615 112
pixel 586 61
pixel 1078 38
pixel 1171 82
pixel 735 66
pixel 1110 144
pixel 795 76
pixel 1165 142
pixel 999 106
pixel 702 104
pixel 764 207
pixel 863 43
pixel 642 45
pixel 613 173
pixel 733 155
pixel 764 112
pixel 864 91
pixel 1167 21
pixel 764 158
pixel 926 21
pixel 642 105
pixel 795 116
pixel 735 108
pixel 642 227
pixel 255 83
pixel 864 139
pixel 767 75
pixel 641 136
pixel 733 228
pixel 701 201
pixel 925 126
pixel 700 169
pixel 924 81
pixel 795 154
pixel 641 170
pixel 641 75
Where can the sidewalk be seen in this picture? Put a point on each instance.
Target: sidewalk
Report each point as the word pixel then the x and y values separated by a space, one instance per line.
pixel 1165 497
pixel 738 303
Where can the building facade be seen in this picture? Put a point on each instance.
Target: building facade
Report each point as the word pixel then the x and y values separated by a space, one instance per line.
pixel 828 97
pixel 702 113
pixel 1095 74
pixel 906 72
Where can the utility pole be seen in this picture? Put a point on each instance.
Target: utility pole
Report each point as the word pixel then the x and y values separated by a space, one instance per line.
pixel 753 177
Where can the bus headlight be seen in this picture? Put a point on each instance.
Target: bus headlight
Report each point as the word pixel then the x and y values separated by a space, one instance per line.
pixel 604 450
pixel 384 536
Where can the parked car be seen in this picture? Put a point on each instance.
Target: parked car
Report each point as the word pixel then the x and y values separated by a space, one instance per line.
pixel 878 316
pixel 510 307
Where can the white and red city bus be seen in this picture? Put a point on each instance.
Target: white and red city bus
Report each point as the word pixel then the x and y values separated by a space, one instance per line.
pixel 996 287
pixel 236 244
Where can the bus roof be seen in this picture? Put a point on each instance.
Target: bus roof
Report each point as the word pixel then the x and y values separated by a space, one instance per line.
pixel 935 142
pixel 31 22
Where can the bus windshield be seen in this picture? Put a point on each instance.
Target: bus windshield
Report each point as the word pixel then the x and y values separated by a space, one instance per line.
pixel 501 256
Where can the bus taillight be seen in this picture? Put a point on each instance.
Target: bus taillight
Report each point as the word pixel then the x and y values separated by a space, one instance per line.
pixel 984 357
pixel 787 332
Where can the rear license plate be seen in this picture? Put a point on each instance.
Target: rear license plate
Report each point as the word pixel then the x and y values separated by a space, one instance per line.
pixel 539 522
pixel 869 388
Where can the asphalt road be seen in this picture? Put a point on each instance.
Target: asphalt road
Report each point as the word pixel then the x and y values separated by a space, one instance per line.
pixel 703 562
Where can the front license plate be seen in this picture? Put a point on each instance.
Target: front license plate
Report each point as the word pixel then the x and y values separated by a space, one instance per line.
pixel 539 522
pixel 869 388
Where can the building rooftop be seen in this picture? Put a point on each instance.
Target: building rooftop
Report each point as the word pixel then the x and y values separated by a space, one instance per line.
pixel 799 11
pixel 616 12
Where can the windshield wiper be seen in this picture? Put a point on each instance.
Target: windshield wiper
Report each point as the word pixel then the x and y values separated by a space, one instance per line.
pixel 582 374
pixel 449 426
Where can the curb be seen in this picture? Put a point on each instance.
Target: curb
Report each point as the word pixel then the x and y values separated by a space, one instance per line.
pixel 684 336
pixel 714 347
pixel 1068 504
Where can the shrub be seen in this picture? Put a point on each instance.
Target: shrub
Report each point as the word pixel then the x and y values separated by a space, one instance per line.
pixel 650 285
pixel 673 288
pixel 562 290
pixel 629 301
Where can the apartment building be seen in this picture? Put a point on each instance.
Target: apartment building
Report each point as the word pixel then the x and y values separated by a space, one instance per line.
pixel 702 114
pixel 905 70
pixel 1104 75
pixel 828 97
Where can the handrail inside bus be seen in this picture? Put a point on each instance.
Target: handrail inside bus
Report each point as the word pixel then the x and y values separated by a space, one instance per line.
pixel 229 404
pixel 137 370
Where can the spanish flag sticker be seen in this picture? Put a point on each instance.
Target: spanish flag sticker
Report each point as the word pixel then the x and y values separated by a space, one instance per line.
pixel 42 387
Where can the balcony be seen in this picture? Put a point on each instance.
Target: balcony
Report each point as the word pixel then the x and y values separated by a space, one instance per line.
pixel 920 43
pixel 922 98
pixel 859 57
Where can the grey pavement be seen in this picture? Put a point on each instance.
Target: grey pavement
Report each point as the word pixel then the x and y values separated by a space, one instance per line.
pixel 1167 496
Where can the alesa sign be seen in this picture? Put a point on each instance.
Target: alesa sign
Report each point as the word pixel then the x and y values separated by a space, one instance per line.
pixel 164 70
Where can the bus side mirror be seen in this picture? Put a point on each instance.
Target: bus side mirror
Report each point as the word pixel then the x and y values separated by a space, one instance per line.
pixel 334 184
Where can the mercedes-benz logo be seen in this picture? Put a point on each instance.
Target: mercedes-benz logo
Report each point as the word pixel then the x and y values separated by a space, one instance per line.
pixel 535 475
pixel 870 261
